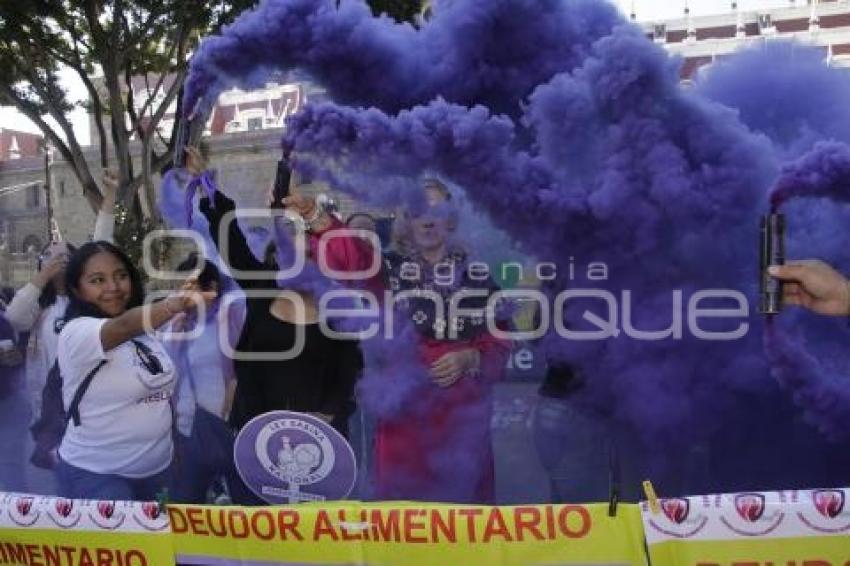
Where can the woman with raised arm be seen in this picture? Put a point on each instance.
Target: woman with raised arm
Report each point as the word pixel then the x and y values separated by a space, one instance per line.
pixel 38 308
pixel 319 377
pixel 117 379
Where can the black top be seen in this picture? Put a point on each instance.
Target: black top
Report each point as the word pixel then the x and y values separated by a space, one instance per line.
pixel 320 379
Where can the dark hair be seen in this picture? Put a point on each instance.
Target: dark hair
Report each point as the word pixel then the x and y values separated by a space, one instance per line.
pixel 270 255
pixel 209 273
pixel 7 294
pixel 361 215
pixel 78 307
pixel 439 186
pixel 48 293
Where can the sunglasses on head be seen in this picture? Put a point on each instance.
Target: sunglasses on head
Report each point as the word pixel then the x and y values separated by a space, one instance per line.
pixel 148 359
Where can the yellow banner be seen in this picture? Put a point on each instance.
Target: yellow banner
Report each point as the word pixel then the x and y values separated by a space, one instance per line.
pixel 815 551
pixel 76 548
pixel 412 534
pixel 52 531
pixel 793 528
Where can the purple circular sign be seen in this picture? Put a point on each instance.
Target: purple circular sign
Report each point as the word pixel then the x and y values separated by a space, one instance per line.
pixel 288 457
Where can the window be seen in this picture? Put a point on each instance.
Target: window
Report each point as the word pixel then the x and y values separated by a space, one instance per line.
pixel 255 124
pixel 14 149
pixel 31 244
pixel 765 22
pixel 34 196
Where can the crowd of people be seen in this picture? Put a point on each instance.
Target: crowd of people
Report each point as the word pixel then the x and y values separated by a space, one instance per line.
pixel 141 414
pixel 114 411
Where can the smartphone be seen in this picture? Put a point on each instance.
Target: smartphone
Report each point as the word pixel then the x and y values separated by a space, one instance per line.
pixel 281 183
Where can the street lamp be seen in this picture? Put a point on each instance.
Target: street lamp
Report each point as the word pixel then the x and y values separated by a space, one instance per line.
pixel 48 161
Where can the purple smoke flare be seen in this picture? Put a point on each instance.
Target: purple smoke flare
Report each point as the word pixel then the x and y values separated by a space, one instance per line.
pixel 823 172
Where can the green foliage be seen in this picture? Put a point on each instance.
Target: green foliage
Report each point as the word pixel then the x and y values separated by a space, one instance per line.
pixel 399 10
pixel 130 233
pixel 113 37
pixel 128 45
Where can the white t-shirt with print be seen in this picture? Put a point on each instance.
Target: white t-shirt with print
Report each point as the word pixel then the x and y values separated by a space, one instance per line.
pixel 125 415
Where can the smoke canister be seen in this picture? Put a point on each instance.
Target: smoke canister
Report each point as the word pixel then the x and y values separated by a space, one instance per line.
pixel 771 252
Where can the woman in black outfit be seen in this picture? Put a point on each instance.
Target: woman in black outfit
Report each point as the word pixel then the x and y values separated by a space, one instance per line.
pixel 320 379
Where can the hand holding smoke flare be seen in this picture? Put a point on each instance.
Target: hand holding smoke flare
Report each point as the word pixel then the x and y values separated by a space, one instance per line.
pixel 814 285
pixel 823 172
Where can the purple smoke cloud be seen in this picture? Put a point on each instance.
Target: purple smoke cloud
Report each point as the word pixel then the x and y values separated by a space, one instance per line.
pixel 462 54
pixel 823 172
pixel 784 91
pixel 588 151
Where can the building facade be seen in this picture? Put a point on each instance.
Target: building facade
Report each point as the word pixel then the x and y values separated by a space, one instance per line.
pixel 702 40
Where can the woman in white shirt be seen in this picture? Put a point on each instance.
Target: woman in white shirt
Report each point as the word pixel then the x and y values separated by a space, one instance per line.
pixel 118 446
pixel 38 307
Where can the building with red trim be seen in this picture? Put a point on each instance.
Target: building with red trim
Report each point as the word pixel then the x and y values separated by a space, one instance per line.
pixel 15 144
pixel 236 110
pixel 701 40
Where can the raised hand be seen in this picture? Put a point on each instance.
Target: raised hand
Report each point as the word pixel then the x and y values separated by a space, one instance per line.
pixel 195 162
pixel 189 297
pixel 110 190
pixel 54 262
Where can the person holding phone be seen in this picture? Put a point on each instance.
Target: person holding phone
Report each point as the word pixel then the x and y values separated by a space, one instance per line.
pixel 38 308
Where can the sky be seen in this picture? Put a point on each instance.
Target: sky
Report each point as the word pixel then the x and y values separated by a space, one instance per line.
pixel 646 10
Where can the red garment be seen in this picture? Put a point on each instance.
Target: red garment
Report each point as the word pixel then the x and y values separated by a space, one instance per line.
pixel 443 451
pixel 347 253
pixel 427 455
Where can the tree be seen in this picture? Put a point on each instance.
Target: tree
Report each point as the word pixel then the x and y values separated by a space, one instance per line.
pixel 400 10
pixel 123 41
pixel 120 42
